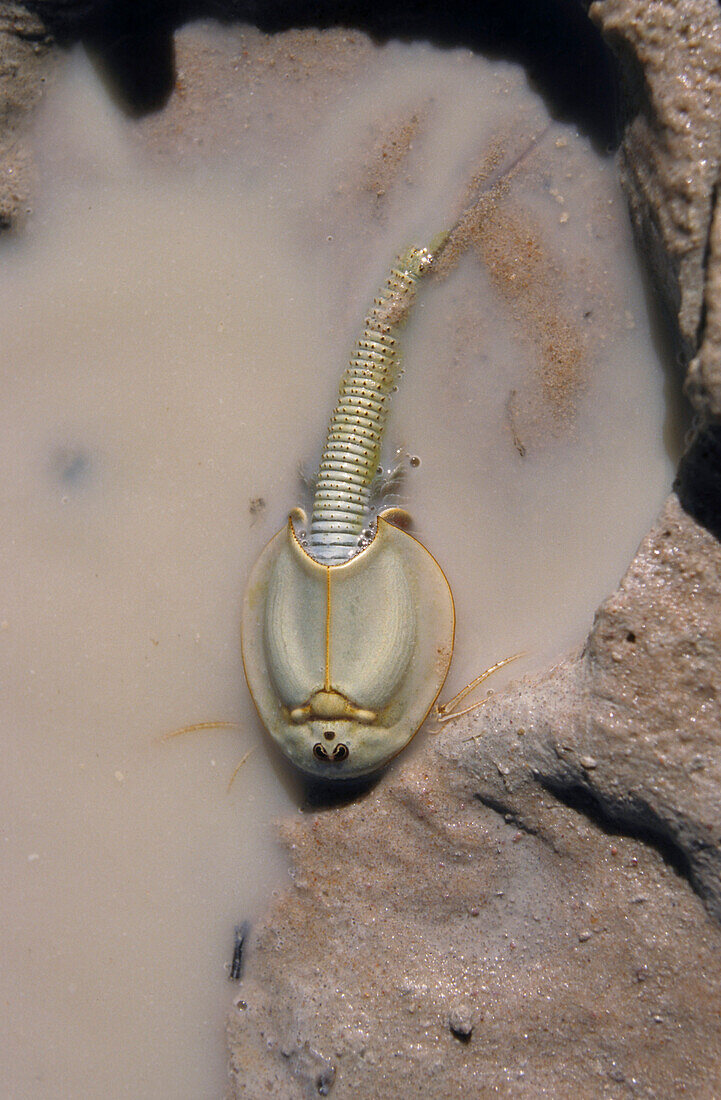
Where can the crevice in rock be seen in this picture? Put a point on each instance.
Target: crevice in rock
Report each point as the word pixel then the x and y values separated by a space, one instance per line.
pixel 632 818
pixel 698 483
pixel 705 262
pixel 700 332
pixel 510 816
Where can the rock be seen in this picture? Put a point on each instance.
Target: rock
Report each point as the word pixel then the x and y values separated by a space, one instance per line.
pixel 500 890
pixel 572 912
pixel 460 1021
pixel 670 52
pixel 643 702
pixel 25 66
pixel 22 36
pixel 368 958
pixel 703 383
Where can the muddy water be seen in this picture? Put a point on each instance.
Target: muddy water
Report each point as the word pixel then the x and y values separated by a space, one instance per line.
pixel 175 319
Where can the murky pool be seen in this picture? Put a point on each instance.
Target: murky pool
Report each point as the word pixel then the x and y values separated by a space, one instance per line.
pixel 175 320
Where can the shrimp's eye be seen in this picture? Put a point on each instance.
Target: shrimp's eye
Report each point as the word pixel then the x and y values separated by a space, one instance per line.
pixel 340 752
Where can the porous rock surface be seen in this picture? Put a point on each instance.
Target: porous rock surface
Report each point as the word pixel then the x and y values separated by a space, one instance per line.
pixel 703 382
pixel 25 64
pixel 670 52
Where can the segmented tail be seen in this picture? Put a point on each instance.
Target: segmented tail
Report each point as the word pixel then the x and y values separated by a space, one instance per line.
pixel 352 450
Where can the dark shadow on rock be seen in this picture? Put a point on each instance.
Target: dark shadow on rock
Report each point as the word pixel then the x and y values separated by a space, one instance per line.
pixel 137 66
pixel 329 796
pixel 628 819
pixel 563 53
pixel 692 859
pixel 129 43
pixel 666 340
pixel 698 484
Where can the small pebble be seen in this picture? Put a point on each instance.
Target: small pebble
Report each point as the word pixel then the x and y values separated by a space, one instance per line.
pixel 461 1024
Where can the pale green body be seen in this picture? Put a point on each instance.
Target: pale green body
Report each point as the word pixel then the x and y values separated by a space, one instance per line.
pixel 349 655
pixel 345 650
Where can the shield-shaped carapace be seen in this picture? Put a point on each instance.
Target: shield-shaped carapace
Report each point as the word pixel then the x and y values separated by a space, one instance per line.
pixel 347 639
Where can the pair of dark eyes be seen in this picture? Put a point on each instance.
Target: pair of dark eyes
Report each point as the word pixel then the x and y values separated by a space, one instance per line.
pixel 340 752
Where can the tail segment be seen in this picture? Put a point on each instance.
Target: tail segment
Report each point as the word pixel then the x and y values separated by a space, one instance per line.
pixel 355 434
